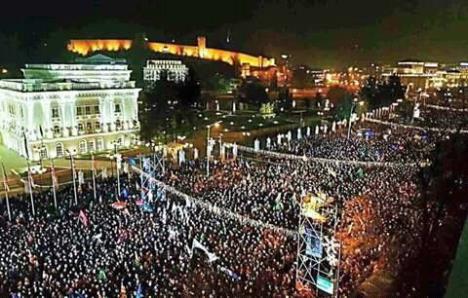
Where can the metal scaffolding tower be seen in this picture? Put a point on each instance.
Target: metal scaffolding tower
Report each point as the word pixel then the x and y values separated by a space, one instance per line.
pixel 318 251
pixel 154 165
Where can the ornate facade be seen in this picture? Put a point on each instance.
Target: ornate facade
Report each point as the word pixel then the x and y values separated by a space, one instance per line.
pixel 82 108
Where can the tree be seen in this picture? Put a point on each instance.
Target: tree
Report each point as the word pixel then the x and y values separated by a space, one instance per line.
pixel 169 107
pixel 137 56
pixel 319 100
pixel 370 92
pixel 189 92
pixel 253 92
pixel 382 94
pixel 343 108
pixel 337 94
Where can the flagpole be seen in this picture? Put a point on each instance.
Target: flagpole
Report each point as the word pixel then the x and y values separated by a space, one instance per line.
pixel 54 181
pixel 5 185
pixel 72 163
pixel 94 176
pixel 118 161
pixel 31 196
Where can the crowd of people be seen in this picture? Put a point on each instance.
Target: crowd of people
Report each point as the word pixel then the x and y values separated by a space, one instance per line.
pixel 373 143
pixel 97 250
pixel 170 246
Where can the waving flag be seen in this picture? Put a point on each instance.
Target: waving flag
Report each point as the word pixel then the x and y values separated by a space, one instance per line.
pixel 26 145
pixel 119 205
pixel 83 218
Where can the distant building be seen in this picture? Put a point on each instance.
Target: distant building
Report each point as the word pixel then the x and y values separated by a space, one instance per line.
pixel 417 74
pixel 85 107
pixel 173 70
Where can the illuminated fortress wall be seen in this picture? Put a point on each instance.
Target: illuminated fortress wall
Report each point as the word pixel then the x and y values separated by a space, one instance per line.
pixel 85 47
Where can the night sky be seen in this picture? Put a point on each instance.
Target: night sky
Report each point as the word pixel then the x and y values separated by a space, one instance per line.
pixel 319 33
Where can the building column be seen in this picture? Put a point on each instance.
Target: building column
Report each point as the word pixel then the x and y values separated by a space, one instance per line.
pixel 47 121
pixel 111 115
pixel 63 118
pixel 72 111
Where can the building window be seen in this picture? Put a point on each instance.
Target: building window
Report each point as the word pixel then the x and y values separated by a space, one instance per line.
pixel 55 113
pixel 96 109
pixel 118 123
pixel 99 145
pixel 90 146
pixel 82 146
pixel 56 129
pixel 88 110
pixel 80 127
pixel 89 126
pixel 117 108
pixel 97 125
pixel 43 152
pixel 79 111
pixel 59 149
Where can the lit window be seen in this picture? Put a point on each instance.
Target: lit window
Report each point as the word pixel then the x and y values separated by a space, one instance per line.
pixel 59 149
pixel 91 146
pixel 82 146
pixel 99 144
pixel 55 113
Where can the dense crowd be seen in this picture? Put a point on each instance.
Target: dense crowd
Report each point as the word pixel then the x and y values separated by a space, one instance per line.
pixel 103 249
pixel 373 143
pixel 114 252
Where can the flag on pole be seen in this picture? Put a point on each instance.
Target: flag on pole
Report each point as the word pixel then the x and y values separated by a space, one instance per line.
pixel 26 145
pixel 83 218
pixel 40 131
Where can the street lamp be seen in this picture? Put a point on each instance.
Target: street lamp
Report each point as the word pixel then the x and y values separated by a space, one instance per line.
pixel 72 166
pixel 208 128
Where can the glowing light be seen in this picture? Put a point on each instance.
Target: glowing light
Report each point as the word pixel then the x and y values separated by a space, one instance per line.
pixel 85 47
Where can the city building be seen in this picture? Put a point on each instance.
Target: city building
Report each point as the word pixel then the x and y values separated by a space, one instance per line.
pixel 417 75
pixel 172 70
pixel 85 107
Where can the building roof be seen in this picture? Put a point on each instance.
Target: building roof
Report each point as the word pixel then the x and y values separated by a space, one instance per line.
pixel 99 59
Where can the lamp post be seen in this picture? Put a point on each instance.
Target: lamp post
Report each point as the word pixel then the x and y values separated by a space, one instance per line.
pixel 208 128
pixel 72 166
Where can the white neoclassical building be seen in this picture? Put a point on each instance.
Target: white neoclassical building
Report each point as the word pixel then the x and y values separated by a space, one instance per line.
pixel 154 70
pixel 86 107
